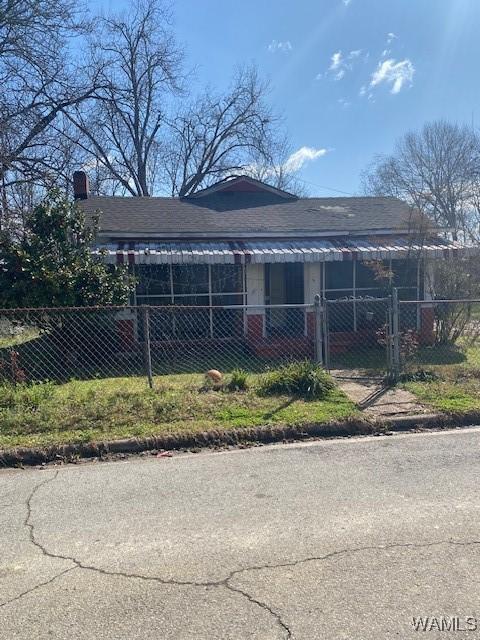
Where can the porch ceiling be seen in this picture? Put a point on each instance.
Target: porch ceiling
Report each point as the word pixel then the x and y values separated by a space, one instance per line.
pixel 245 252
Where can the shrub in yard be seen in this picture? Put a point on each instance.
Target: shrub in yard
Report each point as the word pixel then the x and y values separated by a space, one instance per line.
pixel 421 375
pixel 238 381
pixel 304 379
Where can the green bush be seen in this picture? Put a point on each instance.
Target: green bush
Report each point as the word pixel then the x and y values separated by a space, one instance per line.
pixel 303 379
pixel 421 375
pixel 238 381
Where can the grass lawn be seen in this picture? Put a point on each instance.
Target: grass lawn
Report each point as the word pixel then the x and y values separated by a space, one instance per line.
pixel 457 388
pixel 12 340
pixel 449 396
pixel 112 408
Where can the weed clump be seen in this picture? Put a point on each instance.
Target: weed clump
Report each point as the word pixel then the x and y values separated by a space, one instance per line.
pixel 238 381
pixel 304 379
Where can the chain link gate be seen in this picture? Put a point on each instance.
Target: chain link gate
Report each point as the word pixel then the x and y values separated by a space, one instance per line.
pixel 358 337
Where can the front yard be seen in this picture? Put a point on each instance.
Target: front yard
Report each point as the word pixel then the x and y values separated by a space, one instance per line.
pixel 454 386
pixel 109 408
pixel 96 410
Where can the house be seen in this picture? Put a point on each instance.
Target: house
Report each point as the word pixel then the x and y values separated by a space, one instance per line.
pixel 244 243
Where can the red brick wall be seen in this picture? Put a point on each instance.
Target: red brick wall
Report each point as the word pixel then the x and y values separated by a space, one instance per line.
pixel 427 318
pixel 126 331
pixel 255 327
pixel 311 324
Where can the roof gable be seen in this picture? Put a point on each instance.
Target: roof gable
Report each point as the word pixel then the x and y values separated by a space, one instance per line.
pixel 241 184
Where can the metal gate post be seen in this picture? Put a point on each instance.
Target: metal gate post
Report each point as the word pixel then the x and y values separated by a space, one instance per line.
pixel 396 336
pixel 147 353
pixel 325 335
pixel 318 330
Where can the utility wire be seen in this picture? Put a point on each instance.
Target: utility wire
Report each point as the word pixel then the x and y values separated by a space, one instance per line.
pixel 314 184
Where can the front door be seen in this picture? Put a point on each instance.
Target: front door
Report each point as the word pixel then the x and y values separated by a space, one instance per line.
pixel 284 286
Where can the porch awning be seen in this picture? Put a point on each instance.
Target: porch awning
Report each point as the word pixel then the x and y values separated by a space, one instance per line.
pixel 246 252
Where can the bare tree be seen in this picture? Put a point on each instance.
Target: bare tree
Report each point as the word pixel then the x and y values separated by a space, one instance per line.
pixel 38 82
pixel 134 136
pixel 275 167
pixel 120 118
pixel 220 135
pixel 141 66
pixel 436 170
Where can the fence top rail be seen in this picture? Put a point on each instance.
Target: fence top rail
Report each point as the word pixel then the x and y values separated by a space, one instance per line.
pixel 356 300
pixel 459 301
pixel 169 307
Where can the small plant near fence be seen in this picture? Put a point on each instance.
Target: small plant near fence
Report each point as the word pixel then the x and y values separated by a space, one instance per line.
pixel 409 342
pixel 11 369
pixel 304 379
pixel 238 380
pixel 454 322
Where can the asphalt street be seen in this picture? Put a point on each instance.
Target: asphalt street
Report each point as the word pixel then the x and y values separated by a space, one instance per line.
pixel 334 539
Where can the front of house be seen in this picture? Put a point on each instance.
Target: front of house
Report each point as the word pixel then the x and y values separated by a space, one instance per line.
pixel 244 243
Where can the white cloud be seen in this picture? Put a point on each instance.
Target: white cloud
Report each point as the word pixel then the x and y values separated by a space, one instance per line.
pixel 340 64
pixel 346 2
pixel 337 65
pixel 336 61
pixel 303 155
pixel 343 102
pixel 396 74
pixel 391 37
pixel 277 45
pixel 365 92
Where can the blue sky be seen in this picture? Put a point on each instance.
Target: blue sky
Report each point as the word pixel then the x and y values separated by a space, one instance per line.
pixel 348 76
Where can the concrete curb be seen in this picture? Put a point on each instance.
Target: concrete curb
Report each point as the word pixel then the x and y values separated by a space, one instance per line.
pixel 221 438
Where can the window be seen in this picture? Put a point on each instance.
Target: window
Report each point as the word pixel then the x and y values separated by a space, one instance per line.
pixel 227 284
pixel 199 285
pixel 405 273
pixel 153 280
pixel 227 278
pixel 190 279
pixel 339 277
pixel 368 277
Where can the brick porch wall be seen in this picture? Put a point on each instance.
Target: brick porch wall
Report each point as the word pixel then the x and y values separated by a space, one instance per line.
pixel 427 320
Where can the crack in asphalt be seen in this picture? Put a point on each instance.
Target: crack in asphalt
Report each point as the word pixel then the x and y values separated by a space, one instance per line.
pixel 37 586
pixel 225 582
pixel 77 564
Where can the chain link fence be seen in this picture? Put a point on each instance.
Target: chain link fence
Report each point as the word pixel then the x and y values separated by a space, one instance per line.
pixel 368 337
pixel 441 335
pixel 98 342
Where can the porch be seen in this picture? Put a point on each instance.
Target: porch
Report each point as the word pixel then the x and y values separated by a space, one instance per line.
pixel 267 307
pixel 264 291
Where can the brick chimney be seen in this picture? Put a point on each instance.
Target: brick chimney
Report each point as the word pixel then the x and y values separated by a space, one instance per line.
pixel 80 185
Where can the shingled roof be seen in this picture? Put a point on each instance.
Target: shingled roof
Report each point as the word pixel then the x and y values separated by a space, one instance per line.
pixel 230 213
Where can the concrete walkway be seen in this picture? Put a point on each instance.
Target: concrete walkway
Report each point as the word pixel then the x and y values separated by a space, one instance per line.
pixel 376 400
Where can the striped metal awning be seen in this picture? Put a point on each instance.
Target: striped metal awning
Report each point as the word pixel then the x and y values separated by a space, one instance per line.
pixel 246 252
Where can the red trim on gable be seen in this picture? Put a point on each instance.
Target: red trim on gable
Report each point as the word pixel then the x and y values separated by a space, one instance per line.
pixel 241 185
